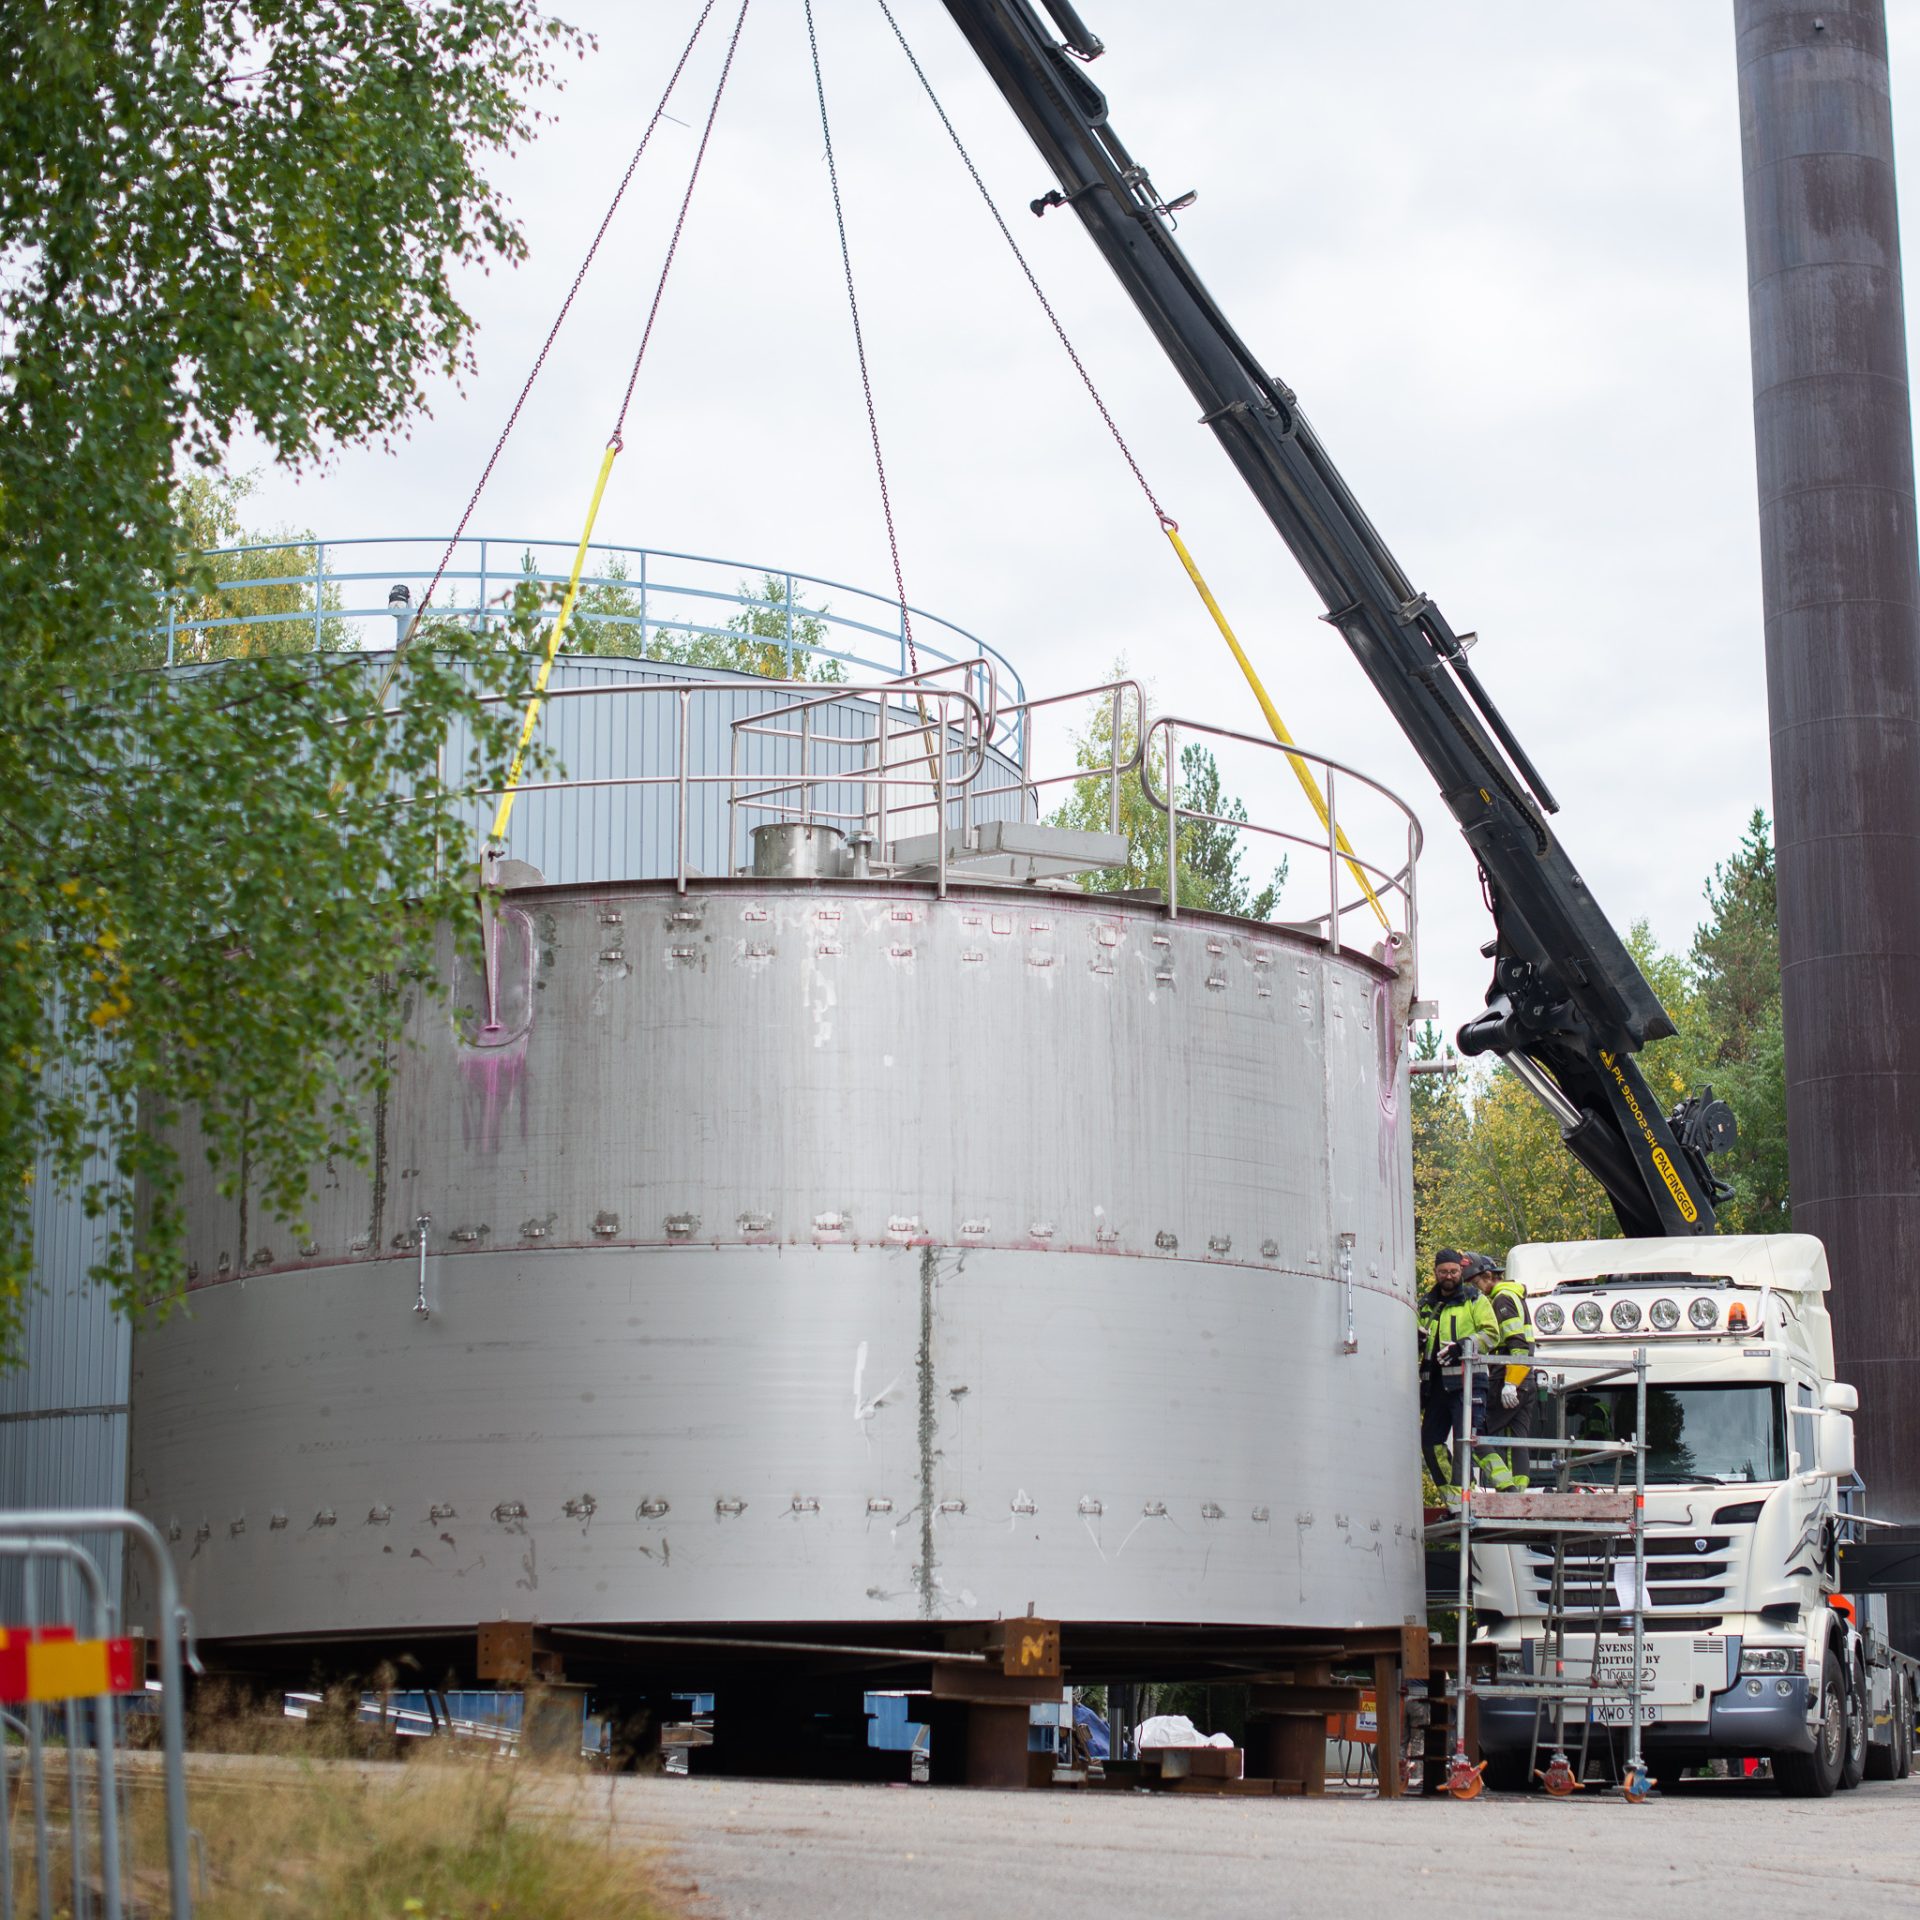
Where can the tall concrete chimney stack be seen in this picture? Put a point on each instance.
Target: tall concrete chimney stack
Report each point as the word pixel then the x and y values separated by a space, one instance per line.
pixel 1841 581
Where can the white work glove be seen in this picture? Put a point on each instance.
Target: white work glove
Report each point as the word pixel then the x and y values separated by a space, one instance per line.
pixel 1509 1397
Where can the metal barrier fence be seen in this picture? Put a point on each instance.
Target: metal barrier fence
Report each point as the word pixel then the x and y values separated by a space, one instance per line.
pixel 68 1654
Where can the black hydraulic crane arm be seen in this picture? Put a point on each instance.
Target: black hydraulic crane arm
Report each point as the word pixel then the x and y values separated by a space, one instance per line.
pixel 1568 1008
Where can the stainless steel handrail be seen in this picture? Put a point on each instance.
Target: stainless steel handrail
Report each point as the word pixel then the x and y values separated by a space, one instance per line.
pixel 477 562
pixel 1399 882
pixel 934 745
pixel 903 774
pixel 1116 691
pixel 944 779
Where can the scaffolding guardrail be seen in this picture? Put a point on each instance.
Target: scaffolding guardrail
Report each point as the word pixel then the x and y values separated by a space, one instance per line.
pixel 1556 1516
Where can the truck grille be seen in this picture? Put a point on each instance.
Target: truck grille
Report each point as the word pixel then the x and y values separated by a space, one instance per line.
pixel 1686 1573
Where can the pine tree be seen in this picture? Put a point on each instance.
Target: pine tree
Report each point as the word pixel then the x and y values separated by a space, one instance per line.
pixel 1736 962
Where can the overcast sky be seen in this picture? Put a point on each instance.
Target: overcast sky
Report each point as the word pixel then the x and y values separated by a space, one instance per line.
pixel 1495 245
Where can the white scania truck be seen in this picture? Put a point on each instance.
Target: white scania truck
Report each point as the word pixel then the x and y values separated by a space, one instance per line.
pixel 1750 1648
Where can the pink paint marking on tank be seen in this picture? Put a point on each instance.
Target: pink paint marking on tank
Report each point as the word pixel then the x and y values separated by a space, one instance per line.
pixel 494 1082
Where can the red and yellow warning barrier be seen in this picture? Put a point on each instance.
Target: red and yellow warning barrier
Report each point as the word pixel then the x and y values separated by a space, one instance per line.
pixel 49 1663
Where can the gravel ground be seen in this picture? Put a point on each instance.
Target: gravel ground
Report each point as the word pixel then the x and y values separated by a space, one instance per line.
pixel 747 1850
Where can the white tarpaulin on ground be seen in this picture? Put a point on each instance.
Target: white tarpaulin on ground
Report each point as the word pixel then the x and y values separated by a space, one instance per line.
pixel 1176 1730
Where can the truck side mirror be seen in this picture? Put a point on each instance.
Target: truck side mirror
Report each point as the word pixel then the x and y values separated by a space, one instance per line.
pixel 1834 1445
pixel 1841 1398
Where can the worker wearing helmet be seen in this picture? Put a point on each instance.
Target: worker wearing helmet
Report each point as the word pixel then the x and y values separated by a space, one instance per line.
pixel 1511 1394
pixel 1458 1321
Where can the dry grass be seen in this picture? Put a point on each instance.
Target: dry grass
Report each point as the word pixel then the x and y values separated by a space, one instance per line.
pixel 457 1838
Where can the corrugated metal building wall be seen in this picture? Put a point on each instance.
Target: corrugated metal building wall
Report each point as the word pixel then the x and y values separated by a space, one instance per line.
pixel 629 833
pixel 63 1414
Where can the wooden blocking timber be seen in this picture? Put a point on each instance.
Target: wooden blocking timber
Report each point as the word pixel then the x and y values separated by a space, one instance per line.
pixel 978 1716
pixel 1489 1508
pixel 1287 1725
pixel 1389 1727
pixel 1198 1769
pixel 1279 1697
pixel 974 1743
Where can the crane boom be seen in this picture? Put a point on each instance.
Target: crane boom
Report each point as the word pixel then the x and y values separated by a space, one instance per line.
pixel 1568 1008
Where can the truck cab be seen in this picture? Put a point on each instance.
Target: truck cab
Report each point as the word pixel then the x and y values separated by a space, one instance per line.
pixel 1749 1447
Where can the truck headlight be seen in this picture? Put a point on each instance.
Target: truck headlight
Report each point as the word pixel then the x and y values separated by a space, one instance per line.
pixel 1549 1316
pixel 1704 1314
pixel 1665 1314
pixel 1509 1660
pixel 1587 1316
pixel 1626 1315
pixel 1772 1659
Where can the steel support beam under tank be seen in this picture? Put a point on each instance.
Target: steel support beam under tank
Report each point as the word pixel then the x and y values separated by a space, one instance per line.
pixel 1841 581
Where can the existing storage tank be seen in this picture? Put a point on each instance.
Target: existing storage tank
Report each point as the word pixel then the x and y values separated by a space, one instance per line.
pixel 845 1250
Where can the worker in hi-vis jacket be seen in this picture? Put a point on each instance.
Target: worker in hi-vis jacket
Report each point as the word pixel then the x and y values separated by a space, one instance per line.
pixel 1457 1320
pixel 1511 1394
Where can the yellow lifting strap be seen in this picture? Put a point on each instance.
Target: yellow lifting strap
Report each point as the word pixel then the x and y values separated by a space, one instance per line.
pixel 1301 771
pixel 499 835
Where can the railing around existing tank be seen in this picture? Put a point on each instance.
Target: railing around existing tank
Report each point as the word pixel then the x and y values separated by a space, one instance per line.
pixel 363 594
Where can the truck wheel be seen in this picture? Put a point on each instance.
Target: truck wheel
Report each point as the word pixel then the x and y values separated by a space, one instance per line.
pixel 1813 1776
pixel 1854 1768
pixel 1509 1772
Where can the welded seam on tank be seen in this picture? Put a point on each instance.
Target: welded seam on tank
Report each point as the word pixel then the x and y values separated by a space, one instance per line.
pixel 377 1195
pixel 1362 1283
pixel 923 1574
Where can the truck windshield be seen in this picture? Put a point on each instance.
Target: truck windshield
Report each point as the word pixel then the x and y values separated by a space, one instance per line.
pixel 1693 1433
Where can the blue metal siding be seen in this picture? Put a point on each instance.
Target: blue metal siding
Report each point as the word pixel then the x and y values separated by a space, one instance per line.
pixel 588 834
pixel 63 1414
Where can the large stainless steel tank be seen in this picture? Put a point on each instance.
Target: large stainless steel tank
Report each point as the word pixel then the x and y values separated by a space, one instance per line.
pixel 826 1251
